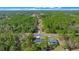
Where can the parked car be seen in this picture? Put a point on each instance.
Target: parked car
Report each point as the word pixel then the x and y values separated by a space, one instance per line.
pixel 53 41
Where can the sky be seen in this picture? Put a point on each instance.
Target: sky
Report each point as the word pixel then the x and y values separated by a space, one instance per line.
pixel 39 3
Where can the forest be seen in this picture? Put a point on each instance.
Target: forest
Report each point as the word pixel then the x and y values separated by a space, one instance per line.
pixel 65 24
pixel 17 29
pixel 13 29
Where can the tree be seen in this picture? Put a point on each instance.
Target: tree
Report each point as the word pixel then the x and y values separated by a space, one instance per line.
pixel 27 43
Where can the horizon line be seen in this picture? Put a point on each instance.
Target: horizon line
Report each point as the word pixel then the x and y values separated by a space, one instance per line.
pixel 38 8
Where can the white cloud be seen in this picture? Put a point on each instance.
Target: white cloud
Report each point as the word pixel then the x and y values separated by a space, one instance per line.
pixel 39 3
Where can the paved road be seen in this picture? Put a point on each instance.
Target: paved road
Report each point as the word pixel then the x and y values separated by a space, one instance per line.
pixel 51 35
